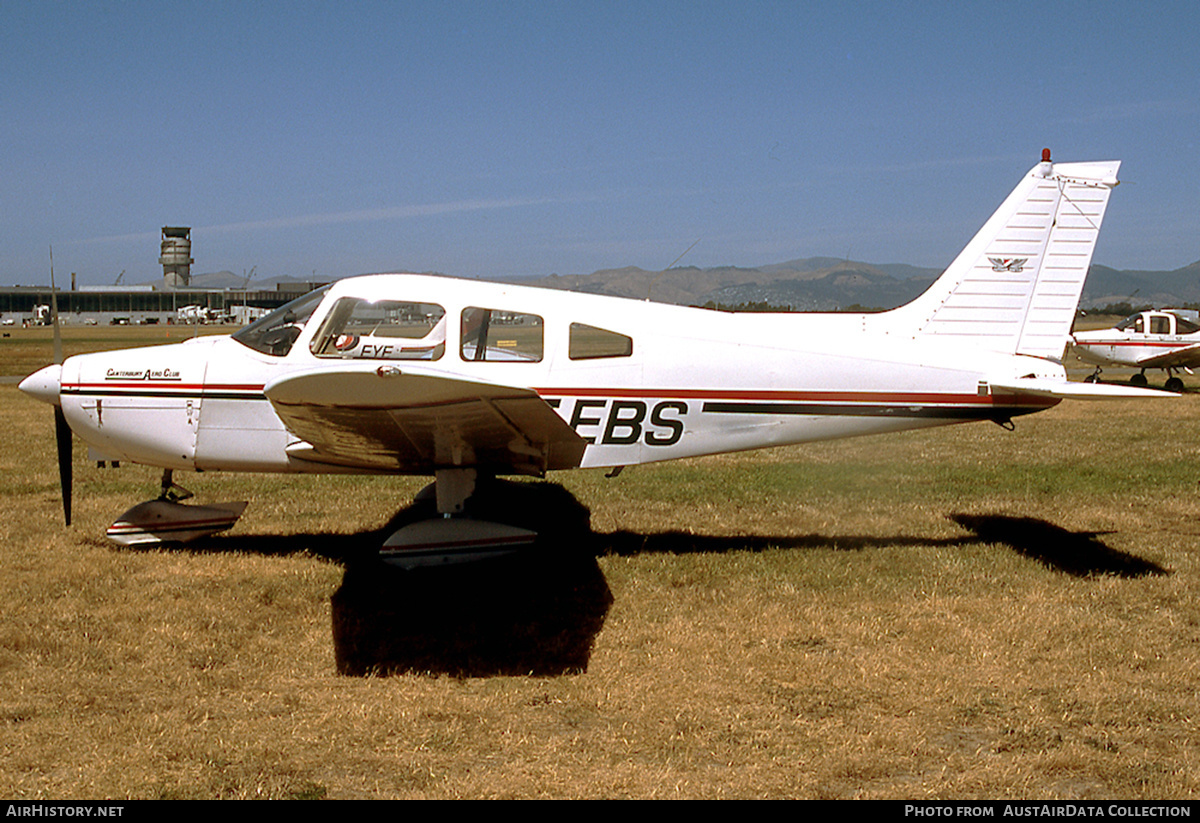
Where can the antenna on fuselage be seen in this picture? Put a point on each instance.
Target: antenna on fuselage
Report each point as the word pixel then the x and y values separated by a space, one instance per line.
pixel 664 271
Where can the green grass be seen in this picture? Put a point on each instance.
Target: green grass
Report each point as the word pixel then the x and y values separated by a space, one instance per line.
pixel 24 351
pixel 953 613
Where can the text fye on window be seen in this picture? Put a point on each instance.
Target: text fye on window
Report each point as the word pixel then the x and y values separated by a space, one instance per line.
pixel 382 330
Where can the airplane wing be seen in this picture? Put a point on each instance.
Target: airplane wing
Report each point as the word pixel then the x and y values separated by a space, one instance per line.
pixel 1176 358
pixel 411 420
pixel 1067 390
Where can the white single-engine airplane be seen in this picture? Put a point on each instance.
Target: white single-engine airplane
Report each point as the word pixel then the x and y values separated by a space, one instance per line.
pixel 1161 339
pixel 410 374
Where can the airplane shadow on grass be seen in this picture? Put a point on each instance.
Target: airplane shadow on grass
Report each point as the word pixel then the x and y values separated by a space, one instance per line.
pixel 534 612
pixel 1079 554
pixel 539 611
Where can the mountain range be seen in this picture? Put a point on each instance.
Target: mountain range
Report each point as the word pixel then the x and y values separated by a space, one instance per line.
pixel 811 284
pixel 828 284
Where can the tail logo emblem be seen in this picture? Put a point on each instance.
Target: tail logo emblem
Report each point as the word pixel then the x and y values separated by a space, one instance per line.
pixel 1013 264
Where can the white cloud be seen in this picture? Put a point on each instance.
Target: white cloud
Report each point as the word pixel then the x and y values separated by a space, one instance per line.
pixel 358 216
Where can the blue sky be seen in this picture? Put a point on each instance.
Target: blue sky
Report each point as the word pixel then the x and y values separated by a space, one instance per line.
pixel 502 139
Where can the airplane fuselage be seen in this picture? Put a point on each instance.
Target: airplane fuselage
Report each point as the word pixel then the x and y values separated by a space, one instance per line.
pixel 659 382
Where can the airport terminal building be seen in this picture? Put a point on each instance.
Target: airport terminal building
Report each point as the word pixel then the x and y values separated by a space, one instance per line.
pixel 176 299
pixel 111 305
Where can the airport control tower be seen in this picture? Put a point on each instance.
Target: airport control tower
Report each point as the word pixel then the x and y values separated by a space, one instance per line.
pixel 176 256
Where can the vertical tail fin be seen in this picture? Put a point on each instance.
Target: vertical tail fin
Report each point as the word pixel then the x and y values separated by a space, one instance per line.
pixel 1016 286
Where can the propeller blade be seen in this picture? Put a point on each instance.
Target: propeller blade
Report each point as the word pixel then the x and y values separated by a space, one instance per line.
pixel 62 437
pixel 62 430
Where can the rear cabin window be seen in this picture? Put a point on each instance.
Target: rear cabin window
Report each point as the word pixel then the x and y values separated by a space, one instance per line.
pixel 494 335
pixel 382 330
pixel 1185 326
pixel 591 343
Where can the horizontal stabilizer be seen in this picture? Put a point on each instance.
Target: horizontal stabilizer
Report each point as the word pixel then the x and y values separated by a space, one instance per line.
pixel 1066 390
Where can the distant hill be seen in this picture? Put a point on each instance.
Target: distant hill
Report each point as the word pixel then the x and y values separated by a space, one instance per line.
pixel 809 284
pixel 830 283
pixel 217 280
pixel 1158 288
pixel 228 280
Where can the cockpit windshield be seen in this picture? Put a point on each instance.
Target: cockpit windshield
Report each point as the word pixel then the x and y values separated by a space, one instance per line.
pixel 1134 321
pixel 275 333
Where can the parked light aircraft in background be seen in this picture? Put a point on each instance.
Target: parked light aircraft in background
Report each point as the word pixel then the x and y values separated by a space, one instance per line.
pixel 460 379
pixel 1161 339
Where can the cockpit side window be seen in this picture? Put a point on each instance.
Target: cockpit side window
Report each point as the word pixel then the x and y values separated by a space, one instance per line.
pixel 275 333
pixel 382 330
pixel 590 343
pixel 501 336
pixel 1160 324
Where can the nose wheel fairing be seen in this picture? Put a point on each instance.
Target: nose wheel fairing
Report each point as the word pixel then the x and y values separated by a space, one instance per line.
pixel 164 521
pixel 168 520
pixel 452 540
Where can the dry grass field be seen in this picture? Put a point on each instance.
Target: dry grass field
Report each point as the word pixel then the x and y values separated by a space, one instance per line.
pixel 958 613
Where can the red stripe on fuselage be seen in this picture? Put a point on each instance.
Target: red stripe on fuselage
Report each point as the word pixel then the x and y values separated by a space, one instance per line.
pixel 164 384
pixel 1136 344
pixel 783 395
